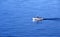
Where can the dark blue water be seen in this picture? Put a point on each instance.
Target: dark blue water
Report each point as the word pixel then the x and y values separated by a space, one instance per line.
pixel 16 18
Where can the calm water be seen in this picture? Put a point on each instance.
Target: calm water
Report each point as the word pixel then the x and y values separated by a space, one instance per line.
pixel 16 18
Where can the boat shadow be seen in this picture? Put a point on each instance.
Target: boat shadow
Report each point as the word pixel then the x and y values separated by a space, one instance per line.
pixel 55 19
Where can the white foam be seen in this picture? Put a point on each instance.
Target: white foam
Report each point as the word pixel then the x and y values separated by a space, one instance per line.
pixel 33 19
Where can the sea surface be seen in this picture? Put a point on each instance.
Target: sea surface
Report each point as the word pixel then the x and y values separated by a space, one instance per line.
pixel 16 18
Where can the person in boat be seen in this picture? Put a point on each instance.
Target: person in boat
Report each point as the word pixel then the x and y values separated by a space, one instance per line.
pixel 37 19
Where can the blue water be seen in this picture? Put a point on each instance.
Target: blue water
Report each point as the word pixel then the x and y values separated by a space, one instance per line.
pixel 16 18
